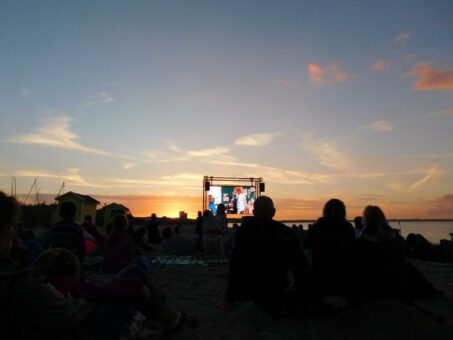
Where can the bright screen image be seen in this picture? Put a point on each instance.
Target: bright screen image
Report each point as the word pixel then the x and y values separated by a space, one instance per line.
pixel 237 199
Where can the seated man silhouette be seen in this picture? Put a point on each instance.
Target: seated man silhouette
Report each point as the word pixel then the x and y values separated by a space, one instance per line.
pixel 264 252
pixel 67 233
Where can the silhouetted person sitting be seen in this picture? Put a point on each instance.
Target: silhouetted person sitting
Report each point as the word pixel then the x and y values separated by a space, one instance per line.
pixel 358 226
pixel 31 308
pixel 329 241
pixel 138 235
pixel 68 234
pixel 153 230
pixel 117 298
pixel 176 244
pixel 91 229
pixel 213 236
pixel 417 246
pixel 264 252
pixel 119 248
pixel 380 258
pixel 383 270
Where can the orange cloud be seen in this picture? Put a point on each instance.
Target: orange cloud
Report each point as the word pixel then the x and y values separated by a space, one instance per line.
pixel 430 78
pixel 329 73
pixel 442 206
pixel 380 65
pixel 316 73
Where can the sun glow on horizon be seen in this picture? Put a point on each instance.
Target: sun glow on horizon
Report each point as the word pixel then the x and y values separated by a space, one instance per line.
pixel 320 108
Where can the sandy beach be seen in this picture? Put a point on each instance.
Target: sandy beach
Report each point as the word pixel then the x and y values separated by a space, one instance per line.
pixel 196 289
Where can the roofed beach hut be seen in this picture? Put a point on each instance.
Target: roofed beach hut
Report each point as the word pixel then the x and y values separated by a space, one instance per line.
pixel 86 205
pixel 111 210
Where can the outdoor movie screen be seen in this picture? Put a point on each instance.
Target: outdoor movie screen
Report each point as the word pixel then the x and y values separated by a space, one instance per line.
pixel 237 199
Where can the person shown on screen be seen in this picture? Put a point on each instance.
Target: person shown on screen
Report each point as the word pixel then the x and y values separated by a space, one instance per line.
pixel 232 206
pixel 212 205
pixel 241 201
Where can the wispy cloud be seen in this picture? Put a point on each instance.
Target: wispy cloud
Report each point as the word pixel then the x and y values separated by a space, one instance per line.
pixel 442 113
pixel 257 139
pixel 177 154
pixel 173 147
pixel 326 151
pixel 277 175
pixel 137 182
pixel 402 38
pixel 25 93
pixel 101 98
pixel 380 65
pixel 380 126
pixel 129 165
pixel 184 176
pixel 72 176
pixel 432 172
pixel 161 157
pixel 216 151
pixel 55 132
pixel 327 74
pixel 430 78
pixel 179 180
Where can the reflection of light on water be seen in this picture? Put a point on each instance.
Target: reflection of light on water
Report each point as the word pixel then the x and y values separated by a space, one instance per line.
pixel 432 231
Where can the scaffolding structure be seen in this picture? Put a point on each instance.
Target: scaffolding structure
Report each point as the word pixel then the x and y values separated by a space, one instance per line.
pixel 208 181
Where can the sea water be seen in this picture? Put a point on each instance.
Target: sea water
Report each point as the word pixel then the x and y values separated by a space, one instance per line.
pixel 433 231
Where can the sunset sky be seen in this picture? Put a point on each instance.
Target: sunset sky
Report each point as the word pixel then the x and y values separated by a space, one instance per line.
pixel 135 101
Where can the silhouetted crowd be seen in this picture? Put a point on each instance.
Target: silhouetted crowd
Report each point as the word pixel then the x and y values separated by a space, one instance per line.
pixel 74 282
pixel 46 292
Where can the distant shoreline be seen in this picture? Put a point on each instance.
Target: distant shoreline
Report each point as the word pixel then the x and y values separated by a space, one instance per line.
pixel 390 220
pixel 235 219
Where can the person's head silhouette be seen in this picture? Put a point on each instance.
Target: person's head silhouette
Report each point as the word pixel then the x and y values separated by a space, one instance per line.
pixel 264 208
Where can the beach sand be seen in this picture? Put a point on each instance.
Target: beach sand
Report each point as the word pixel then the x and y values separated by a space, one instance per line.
pixel 196 289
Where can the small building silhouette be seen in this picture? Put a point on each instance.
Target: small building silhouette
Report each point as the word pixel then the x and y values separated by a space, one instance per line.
pixel 86 205
pixel 182 215
pixel 111 210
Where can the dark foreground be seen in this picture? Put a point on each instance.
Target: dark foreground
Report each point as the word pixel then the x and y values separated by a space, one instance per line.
pixel 196 290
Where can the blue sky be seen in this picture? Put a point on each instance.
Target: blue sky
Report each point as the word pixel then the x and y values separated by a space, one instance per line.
pixel 348 99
